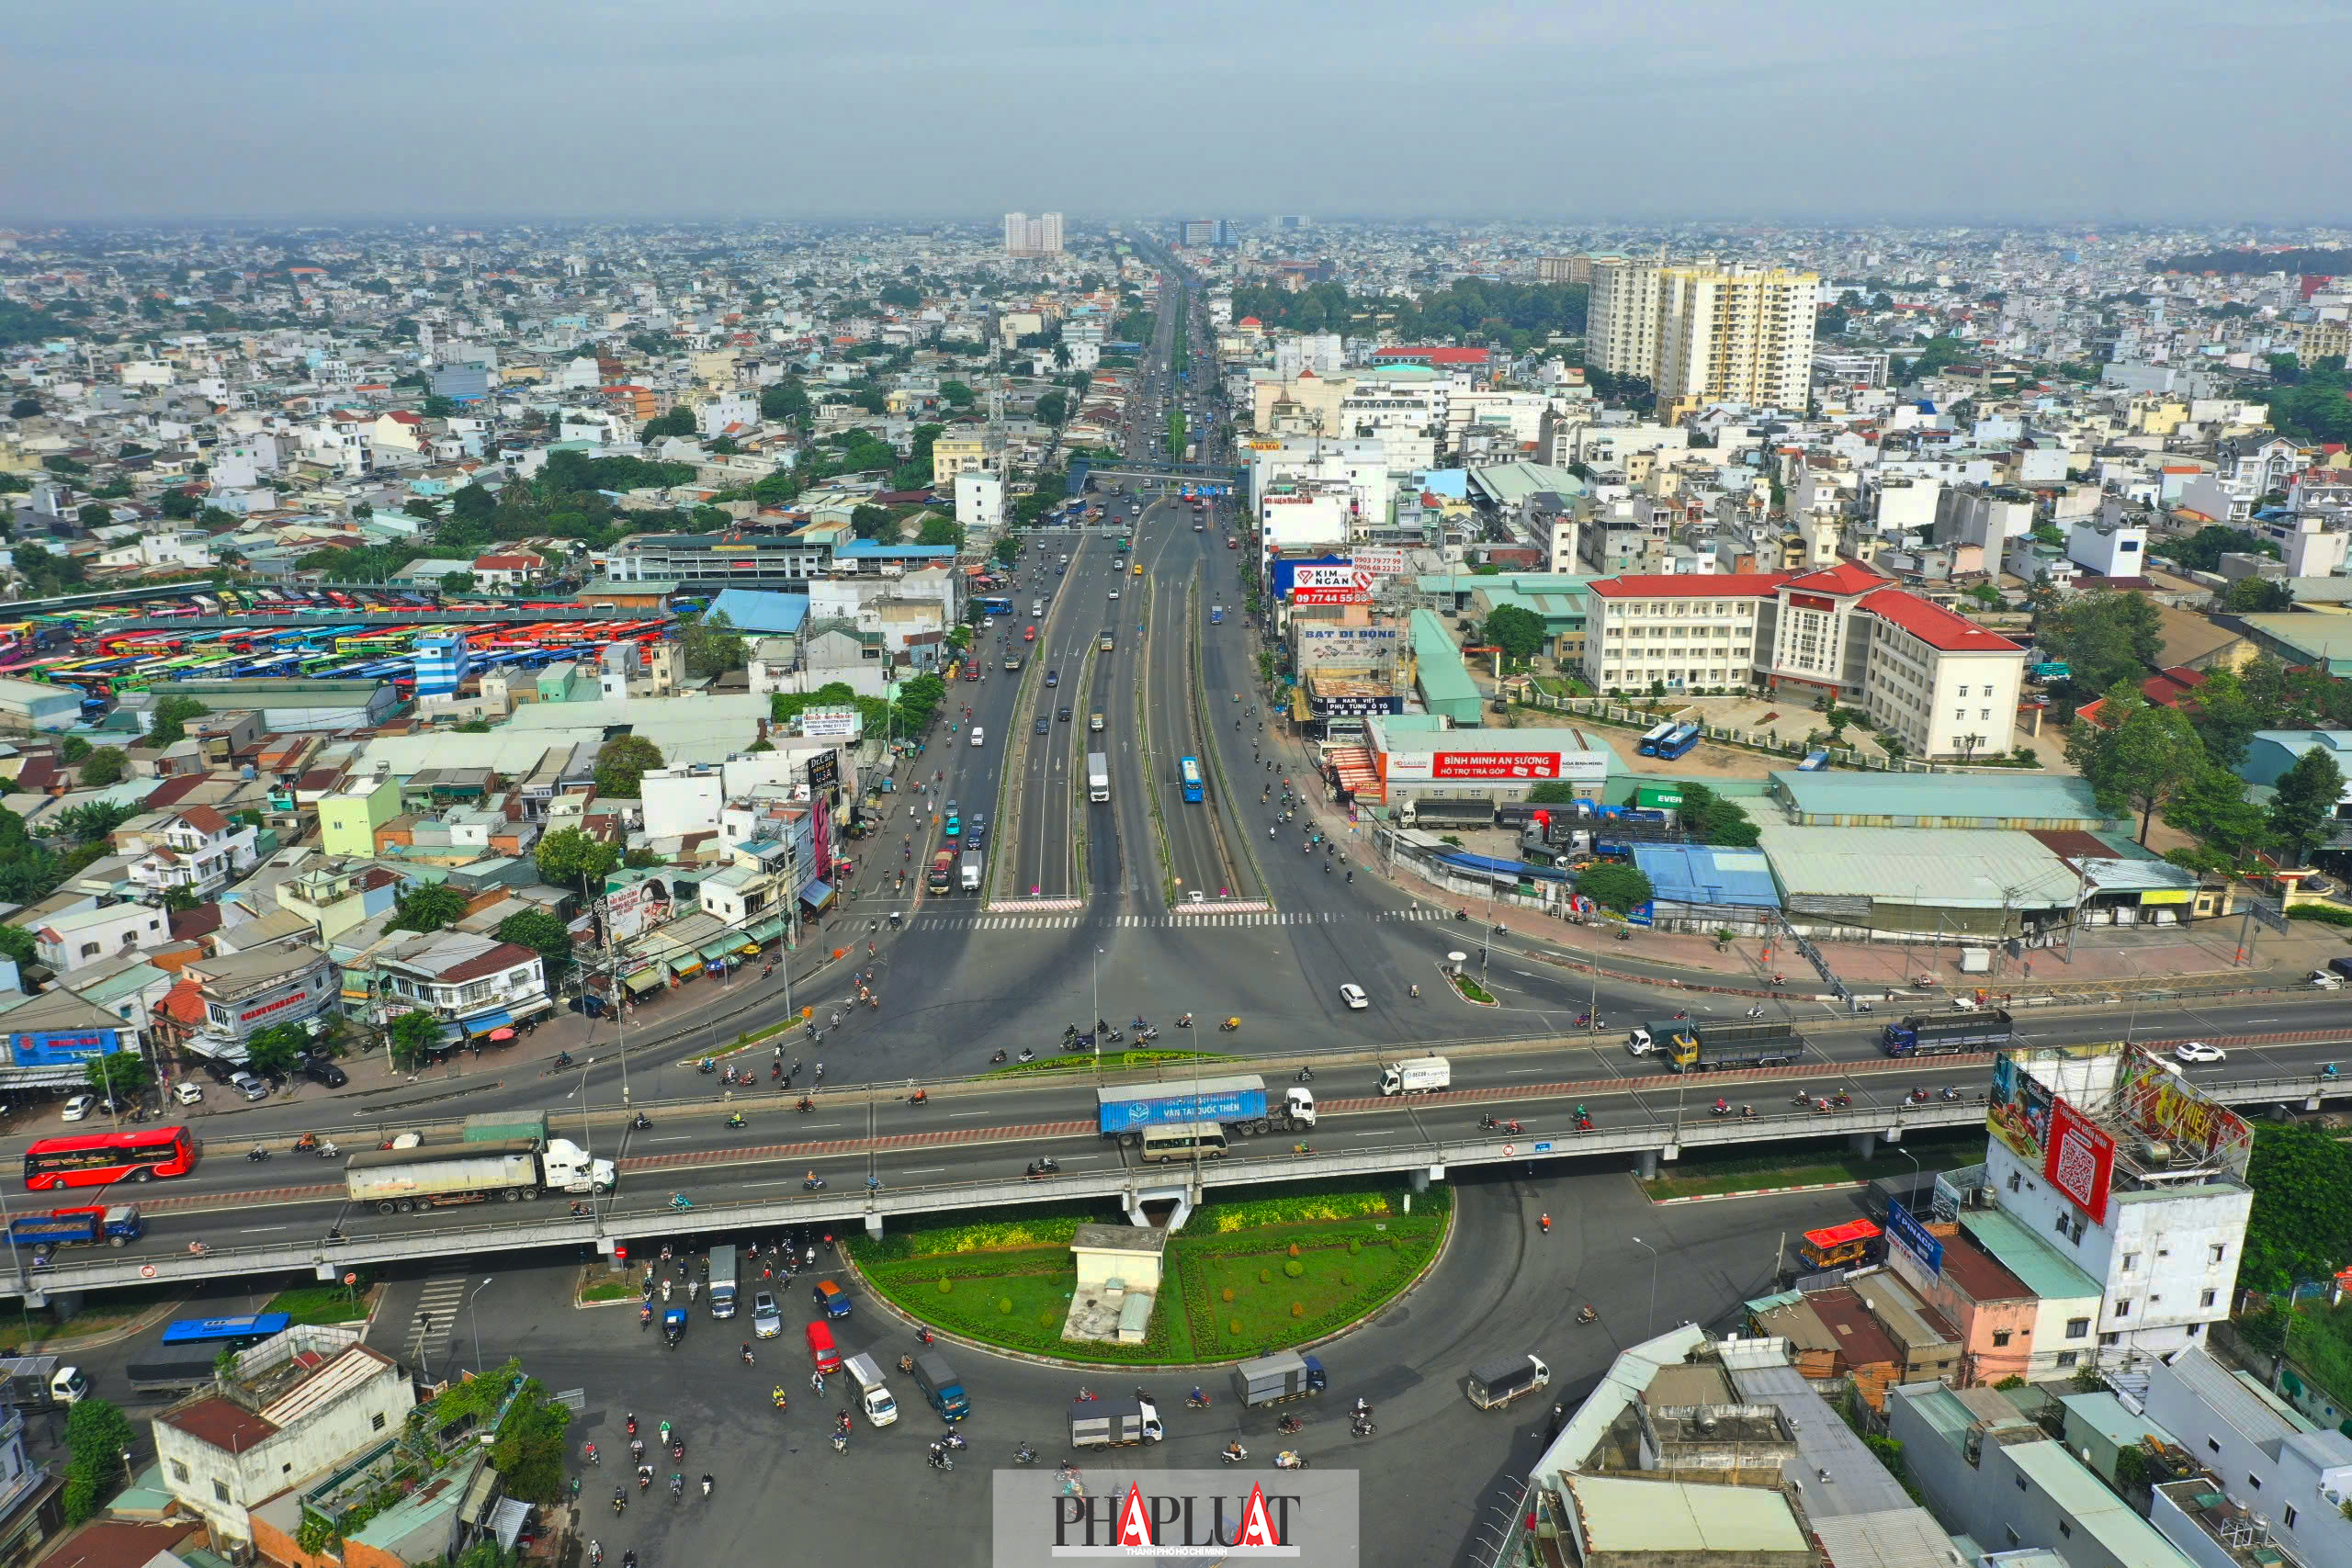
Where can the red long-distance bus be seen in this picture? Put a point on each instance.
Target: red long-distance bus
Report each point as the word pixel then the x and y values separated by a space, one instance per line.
pixel 97 1159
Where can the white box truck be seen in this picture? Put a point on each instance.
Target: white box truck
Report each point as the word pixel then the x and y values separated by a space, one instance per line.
pixel 1098 776
pixel 873 1397
pixel 968 868
pixel 722 1281
pixel 1418 1076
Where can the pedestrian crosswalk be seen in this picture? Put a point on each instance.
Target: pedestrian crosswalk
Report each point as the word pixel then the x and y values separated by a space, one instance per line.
pixel 426 1344
pixel 1188 918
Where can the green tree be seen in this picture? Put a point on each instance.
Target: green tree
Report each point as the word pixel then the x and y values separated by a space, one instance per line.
pixel 2212 809
pixel 647 858
pixel 787 399
pixel 457 582
pixel 98 1436
pixel 543 934
pixel 29 407
pixel 437 407
pixel 1552 792
pixel 2103 638
pixel 2306 802
pixel 2301 1225
pixel 867 522
pixel 125 1072
pixel 2225 716
pixel 414 1035
pixel 1053 407
pixel 92 516
pixel 2203 550
pixel 528 1451
pixel 2258 596
pixel 1613 886
pixel 956 395
pixel 275 1051
pixel 1712 819
pixel 622 762
pixel 427 906
pixel 941 530
pixel 92 821
pixel 179 505
pixel 19 945
pixel 713 647
pixel 1519 633
pixel 2139 758
pixel 73 750
pixel 569 857
pixel 679 420
pixel 473 504
pixel 171 717
pixel 181 899
pixel 104 767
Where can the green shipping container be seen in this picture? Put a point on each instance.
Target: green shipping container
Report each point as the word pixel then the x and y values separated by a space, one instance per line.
pixel 1661 797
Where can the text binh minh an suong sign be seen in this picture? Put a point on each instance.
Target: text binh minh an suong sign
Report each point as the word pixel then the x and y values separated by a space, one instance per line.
pixel 1497 767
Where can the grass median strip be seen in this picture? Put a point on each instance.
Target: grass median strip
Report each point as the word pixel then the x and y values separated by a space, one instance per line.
pixel 1710 1173
pixel 1248 1274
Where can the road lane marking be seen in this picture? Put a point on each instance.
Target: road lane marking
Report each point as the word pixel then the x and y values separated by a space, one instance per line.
pixel 265 1230
pixel 679 1138
pixel 924 1170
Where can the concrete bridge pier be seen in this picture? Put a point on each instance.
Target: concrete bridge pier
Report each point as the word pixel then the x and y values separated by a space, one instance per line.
pixel 873 1224
pixel 1182 1197
pixel 1862 1145
pixel 1645 1163
pixel 1418 1178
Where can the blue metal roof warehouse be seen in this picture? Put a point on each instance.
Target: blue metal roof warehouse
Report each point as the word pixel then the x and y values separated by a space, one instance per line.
pixel 1694 873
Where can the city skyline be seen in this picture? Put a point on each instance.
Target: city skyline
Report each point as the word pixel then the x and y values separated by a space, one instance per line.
pixel 257 110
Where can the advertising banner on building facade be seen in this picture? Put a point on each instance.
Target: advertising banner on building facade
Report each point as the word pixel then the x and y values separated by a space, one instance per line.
pixel 2019 1111
pixel 1342 584
pixel 2080 1160
pixel 1499 767
pixel 2169 1109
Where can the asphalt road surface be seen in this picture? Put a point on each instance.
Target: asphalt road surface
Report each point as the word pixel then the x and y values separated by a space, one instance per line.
pixel 1429 1478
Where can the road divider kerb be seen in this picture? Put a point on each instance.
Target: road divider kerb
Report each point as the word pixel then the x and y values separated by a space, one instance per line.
pixel 1749 1192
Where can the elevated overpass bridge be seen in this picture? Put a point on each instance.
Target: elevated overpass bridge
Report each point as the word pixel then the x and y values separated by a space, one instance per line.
pixel 1647 1126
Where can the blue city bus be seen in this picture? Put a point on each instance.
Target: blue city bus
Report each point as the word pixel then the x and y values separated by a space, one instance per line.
pixel 1684 738
pixel 1188 767
pixel 236 1333
pixel 998 605
pixel 1656 733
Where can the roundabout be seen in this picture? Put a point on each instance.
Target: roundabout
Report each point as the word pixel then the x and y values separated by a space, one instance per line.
pixel 1244 1276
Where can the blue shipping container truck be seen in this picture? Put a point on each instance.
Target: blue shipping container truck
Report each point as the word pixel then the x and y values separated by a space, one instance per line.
pixel 1203 1099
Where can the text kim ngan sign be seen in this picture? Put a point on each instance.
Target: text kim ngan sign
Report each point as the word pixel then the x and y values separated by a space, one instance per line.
pixel 2079 1159
pixel 1343 584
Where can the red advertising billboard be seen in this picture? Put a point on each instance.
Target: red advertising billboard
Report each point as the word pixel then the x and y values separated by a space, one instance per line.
pixel 1495 765
pixel 2079 1159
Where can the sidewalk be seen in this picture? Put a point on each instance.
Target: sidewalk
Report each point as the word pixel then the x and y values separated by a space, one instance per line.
pixel 2207 952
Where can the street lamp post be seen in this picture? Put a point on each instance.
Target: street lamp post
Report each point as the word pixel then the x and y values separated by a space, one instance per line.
pixel 475 1323
pixel 1098 1005
pixel 1646 1246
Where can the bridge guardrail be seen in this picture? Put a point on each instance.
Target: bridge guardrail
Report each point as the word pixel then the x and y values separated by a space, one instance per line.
pixel 850 1204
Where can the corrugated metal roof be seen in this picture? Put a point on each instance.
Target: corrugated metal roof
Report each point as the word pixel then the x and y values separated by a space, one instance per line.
pixel 1693 874
pixel 2048 1273
pixel 1940 796
pixel 1823 1442
pixel 1626 1515
pixel 1899 1537
pixel 1973 868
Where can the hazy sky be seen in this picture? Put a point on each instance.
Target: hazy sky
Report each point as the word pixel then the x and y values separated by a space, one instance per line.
pixel 1595 108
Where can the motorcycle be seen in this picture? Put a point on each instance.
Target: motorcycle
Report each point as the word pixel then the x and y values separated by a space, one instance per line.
pixel 920 1097
pixel 1025 1454
pixel 1290 1460
pixel 1147 1034
pixel 1291 1424
pixel 1585 1313
pixel 705 1485
pixel 642 1122
pixel 257 1153
pixel 1233 1453
pixel 1184 1021
pixel 998 1060
pixel 814 1184
pixel 1229 1026
pixel 841 1442
pixel 955 1439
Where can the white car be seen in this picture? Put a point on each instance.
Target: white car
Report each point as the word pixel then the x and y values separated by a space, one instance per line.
pixel 79 1107
pixel 1115 593
pixel 2197 1051
pixel 1353 996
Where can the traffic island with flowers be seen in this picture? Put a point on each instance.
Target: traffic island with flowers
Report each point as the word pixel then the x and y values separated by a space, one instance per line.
pixel 1246 1275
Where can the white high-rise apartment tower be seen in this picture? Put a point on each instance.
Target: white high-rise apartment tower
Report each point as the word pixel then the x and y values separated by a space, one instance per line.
pixel 1038 236
pixel 1705 333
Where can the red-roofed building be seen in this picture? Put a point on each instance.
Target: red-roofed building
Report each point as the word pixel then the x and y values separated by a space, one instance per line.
pixel 508 570
pixel 1473 359
pixel 1941 684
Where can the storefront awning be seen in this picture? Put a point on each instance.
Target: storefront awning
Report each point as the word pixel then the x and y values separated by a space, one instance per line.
pixel 816 894
pixel 487 1021
pixel 684 967
pixel 644 981
pixel 766 930
pixel 717 951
